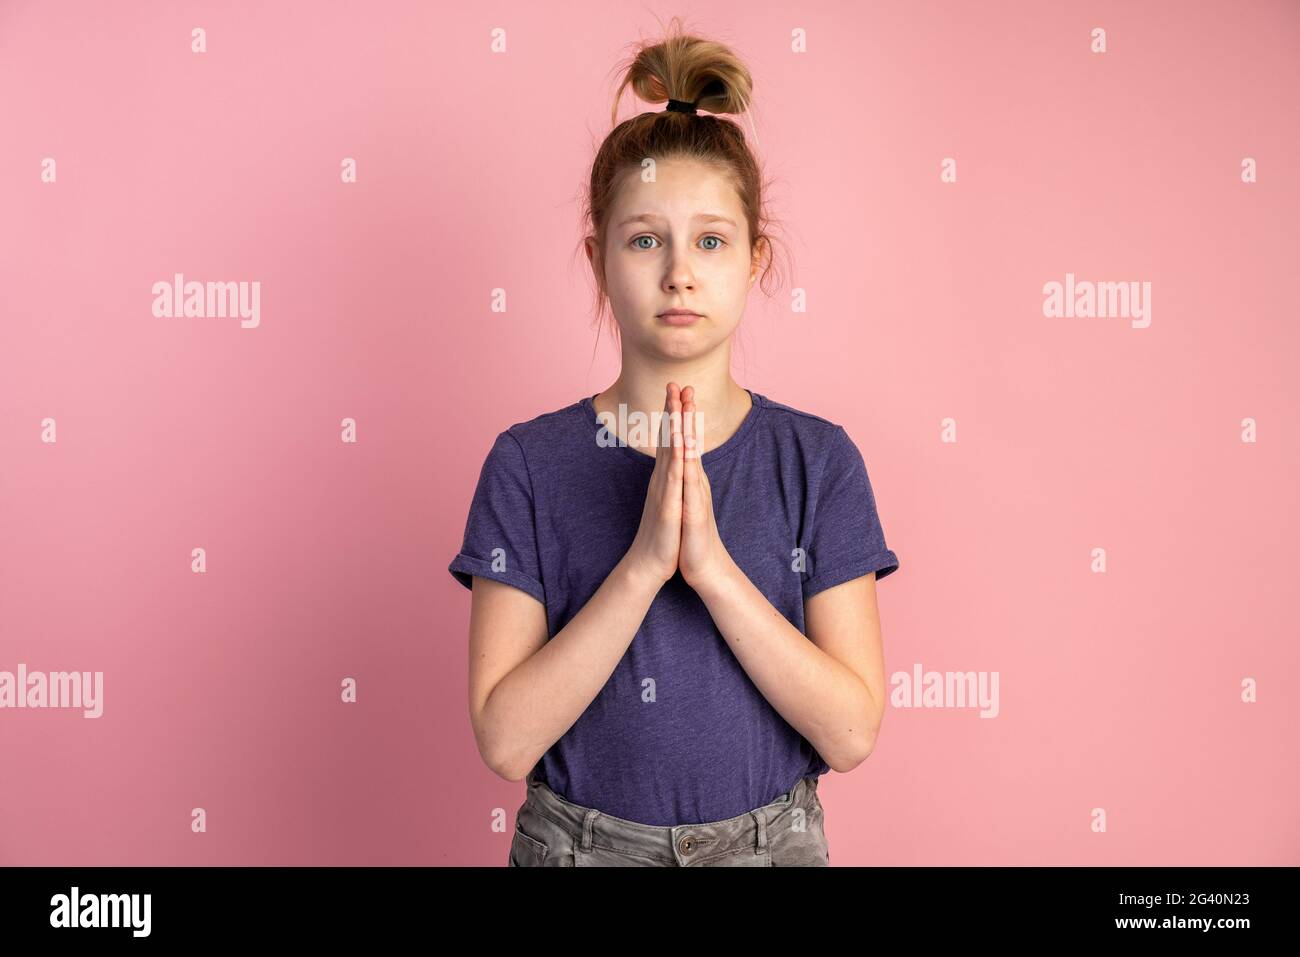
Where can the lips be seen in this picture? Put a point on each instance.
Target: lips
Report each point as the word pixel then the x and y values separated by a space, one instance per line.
pixel 679 317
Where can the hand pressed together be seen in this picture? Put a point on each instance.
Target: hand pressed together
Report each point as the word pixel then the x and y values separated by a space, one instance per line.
pixel 702 556
pixel 678 530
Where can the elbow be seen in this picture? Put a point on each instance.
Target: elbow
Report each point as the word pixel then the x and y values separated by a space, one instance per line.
pixel 500 756
pixel 858 748
pixel 848 761
pixel 503 767
pixel 494 765
pixel 505 762
pixel 502 762
pixel 493 755
pixel 508 772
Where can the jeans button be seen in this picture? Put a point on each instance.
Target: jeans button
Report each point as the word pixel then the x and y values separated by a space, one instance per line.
pixel 687 845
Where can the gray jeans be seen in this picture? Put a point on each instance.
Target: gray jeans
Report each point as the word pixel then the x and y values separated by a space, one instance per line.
pixel 552 832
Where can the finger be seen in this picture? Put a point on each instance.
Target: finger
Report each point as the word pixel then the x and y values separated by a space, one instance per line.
pixel 669 488
pixel 690 441
pixel 663 451
pixel 675 427
pixel 691 453
pixel 706 491
pixel 701 476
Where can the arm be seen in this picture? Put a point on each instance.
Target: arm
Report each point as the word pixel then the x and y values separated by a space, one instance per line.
pixel 831 689
pixel 830 686
pixel 525 692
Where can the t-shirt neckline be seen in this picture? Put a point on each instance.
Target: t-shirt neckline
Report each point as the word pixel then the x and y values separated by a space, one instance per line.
pixel 726 448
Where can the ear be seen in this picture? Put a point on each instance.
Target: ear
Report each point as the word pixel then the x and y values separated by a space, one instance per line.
pixel 593 257
pixel 756 259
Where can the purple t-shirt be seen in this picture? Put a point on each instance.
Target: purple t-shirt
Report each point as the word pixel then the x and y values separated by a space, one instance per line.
pixel 679 734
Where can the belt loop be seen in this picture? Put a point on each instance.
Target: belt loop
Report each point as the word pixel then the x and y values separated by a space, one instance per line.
pixel 587 823
pixel 761 843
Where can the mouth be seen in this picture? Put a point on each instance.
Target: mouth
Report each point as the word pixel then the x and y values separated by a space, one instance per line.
pixel 679 317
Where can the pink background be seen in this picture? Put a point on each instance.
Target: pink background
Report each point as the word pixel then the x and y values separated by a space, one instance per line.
pixel 221 690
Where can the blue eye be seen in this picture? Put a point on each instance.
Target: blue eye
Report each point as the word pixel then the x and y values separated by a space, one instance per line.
pixel 721 241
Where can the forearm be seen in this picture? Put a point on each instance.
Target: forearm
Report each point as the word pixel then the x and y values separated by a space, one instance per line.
pixel 535 704
pixel 818 695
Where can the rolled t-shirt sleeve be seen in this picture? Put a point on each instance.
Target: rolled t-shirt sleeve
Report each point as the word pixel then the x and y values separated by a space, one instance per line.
pixel 847 540
pixel 500 534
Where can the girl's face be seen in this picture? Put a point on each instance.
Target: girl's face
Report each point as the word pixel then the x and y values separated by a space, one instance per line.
pixel 681 242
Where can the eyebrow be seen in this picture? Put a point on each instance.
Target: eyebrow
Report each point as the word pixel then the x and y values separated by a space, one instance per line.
pixel 651 218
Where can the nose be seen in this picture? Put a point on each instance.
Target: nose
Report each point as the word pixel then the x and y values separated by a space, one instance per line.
pixel 679 275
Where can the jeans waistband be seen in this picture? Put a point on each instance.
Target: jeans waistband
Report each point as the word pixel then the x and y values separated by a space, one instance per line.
pixel 683 842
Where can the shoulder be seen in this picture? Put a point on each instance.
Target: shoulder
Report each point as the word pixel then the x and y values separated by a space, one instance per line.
pixel 815 436
pixel 522 444
pixel 542 429
pixel 544 425
pixel 800 419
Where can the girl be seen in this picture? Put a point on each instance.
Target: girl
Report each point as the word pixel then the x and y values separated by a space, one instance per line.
pixel 673 629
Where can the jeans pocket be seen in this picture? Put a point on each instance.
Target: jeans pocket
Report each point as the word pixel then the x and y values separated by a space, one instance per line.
pixel 526 851
pixel 817 821
pixel 821 828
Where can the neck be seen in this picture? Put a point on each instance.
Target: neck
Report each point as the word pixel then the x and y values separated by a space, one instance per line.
pixel 721 403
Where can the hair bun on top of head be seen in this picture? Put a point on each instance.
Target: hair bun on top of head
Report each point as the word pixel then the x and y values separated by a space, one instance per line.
pixel 689 73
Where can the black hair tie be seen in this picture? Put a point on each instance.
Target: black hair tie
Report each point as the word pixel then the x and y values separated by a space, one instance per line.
pixel 681 106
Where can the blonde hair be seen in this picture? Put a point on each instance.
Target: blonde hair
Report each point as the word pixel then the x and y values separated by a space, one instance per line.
pixel 692 69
